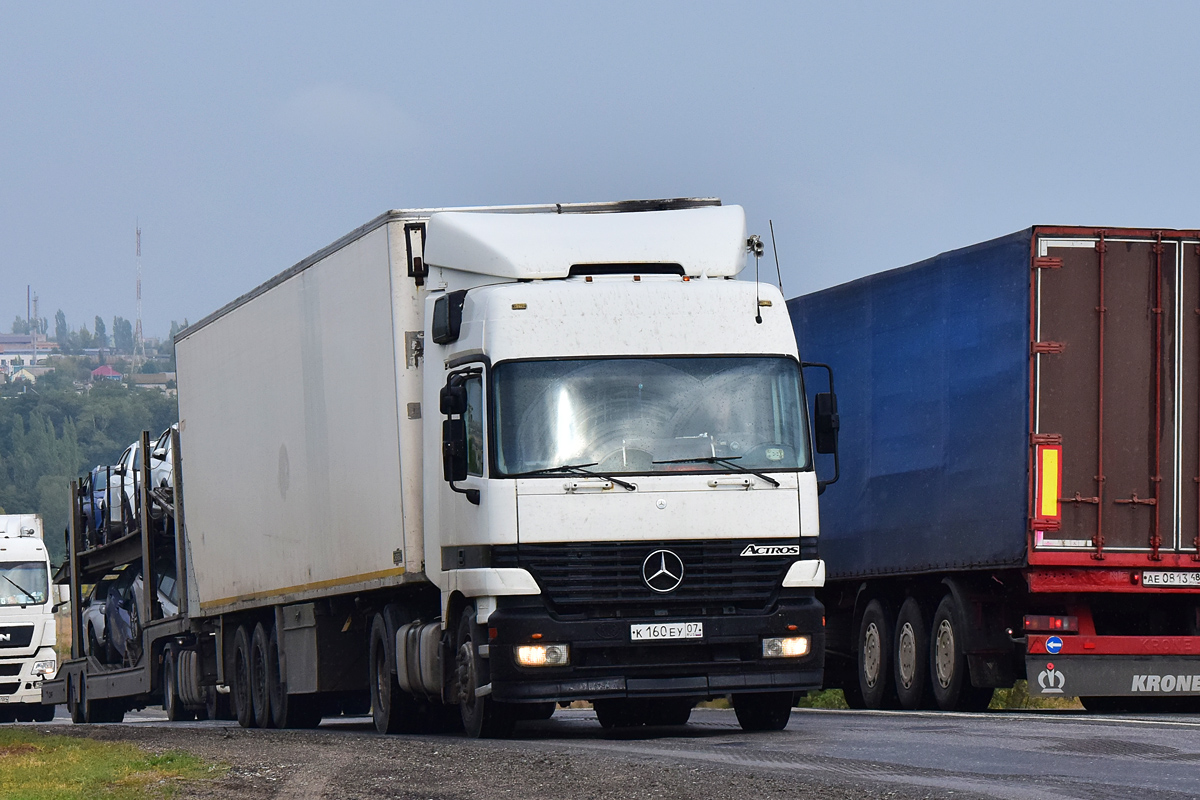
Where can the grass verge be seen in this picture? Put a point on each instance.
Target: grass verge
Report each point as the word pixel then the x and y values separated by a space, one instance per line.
pixel 35 766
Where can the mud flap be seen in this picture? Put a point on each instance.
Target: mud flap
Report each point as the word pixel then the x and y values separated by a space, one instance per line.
pixel 1113 676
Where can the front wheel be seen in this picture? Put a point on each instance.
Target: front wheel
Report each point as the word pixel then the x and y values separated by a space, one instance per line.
pixel 482 717
pixel 764 711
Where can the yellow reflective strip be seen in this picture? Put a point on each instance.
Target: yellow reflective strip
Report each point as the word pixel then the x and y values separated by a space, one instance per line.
pixel 1049 482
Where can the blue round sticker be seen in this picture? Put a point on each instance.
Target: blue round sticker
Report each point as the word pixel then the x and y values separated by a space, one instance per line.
pixel 1053 645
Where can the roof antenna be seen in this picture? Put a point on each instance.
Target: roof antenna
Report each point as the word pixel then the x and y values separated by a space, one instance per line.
pixel 775 250
pixel 755 245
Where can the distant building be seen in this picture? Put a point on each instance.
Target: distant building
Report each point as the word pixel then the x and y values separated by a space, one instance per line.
pixel 162 381
pixel 105 373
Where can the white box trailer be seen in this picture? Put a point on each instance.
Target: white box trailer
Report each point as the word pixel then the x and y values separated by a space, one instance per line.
pixel 497 459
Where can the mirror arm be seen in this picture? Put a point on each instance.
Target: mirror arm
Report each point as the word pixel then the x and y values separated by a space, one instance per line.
pixel 472 494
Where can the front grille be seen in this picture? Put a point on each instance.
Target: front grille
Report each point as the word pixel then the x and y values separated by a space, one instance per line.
pixel 9 688
pixel 16 635
pixel 10 669
pixel 605 578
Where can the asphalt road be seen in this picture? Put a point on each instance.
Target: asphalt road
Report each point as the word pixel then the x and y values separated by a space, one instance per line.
pixel 1017 756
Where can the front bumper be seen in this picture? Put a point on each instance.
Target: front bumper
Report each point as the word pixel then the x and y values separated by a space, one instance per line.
pixel 605 663
pixel 23 686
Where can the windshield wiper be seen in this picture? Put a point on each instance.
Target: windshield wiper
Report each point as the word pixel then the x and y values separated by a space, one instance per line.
pixel 23 590
pixel 724 462
pixel 576 469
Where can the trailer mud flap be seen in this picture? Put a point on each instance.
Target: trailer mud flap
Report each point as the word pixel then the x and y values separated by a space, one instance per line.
pixel 1113 676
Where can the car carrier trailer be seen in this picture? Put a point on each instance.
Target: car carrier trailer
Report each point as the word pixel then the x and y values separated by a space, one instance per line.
pixel 1020 472
pixel 479 462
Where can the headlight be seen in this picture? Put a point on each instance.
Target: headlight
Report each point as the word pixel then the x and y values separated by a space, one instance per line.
pixel 544 655
pixel 43 667
pixel 791 647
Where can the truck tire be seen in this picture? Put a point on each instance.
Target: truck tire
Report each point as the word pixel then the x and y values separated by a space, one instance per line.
pixel 287 710
pixel 618 712
pixel 240 693
pixel 393 709
pixel 951 679
pixel 217 704
pixel 763 711
pixel 910 659
pixel 171 702
pixel 260 693
pixel 41 713
pixel 875 656
pixel 482 716
pixel 75 698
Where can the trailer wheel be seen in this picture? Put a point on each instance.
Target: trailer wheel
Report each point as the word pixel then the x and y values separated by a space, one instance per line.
pixel 763 711
pixel 171 702
pixel 217 704
pixel 240 694
pixel 875 656
pixel 260 693
pixel 393 709
pixel 951 679
pixel 483 717
pixel 911 657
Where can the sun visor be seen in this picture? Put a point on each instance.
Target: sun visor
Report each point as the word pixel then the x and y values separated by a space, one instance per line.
pixel 704 241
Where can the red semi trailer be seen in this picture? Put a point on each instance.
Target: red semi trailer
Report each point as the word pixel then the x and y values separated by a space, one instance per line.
pixel 1020 471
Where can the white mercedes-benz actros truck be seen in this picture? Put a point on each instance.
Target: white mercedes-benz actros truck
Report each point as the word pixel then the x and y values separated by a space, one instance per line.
pixel 27 626
pixel 480 462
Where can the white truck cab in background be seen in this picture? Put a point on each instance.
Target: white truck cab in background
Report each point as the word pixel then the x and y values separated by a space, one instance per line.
pixel 27 626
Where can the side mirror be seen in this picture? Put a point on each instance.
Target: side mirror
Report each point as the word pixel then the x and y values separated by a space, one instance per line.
pixel 119 471
pixel 454 449
pixel 826 423
pixel 447 317
pixel 453 398
pixel 159 454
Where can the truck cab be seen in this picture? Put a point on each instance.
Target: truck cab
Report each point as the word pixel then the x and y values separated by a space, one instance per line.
pixel 626 509
pixel 27 626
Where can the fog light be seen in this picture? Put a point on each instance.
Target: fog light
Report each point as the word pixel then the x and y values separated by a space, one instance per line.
pixel 791 647
pixel 544 655
pixel 43 667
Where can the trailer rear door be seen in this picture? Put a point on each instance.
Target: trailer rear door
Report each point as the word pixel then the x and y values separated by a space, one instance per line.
pixel 1115 362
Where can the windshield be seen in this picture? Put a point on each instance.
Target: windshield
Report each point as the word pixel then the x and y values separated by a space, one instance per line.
pixel 23 583
pixel 622 415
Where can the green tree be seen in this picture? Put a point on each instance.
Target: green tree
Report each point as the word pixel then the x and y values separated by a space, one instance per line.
pixel 62 334
pixel 20 325
pixel 101 334
pixel 122 335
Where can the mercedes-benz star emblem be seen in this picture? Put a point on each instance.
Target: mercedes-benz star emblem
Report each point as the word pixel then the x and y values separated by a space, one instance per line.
pixel 662 571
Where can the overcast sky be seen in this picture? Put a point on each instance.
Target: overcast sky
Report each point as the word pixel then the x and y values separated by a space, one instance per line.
pixel 245 136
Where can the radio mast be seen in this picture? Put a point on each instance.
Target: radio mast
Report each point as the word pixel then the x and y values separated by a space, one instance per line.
pixel 139 347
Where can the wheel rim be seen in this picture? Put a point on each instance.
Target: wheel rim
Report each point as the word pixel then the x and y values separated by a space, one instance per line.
pixel 906 654
pixel 466 674
pixel 872 654
pixel 944 653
